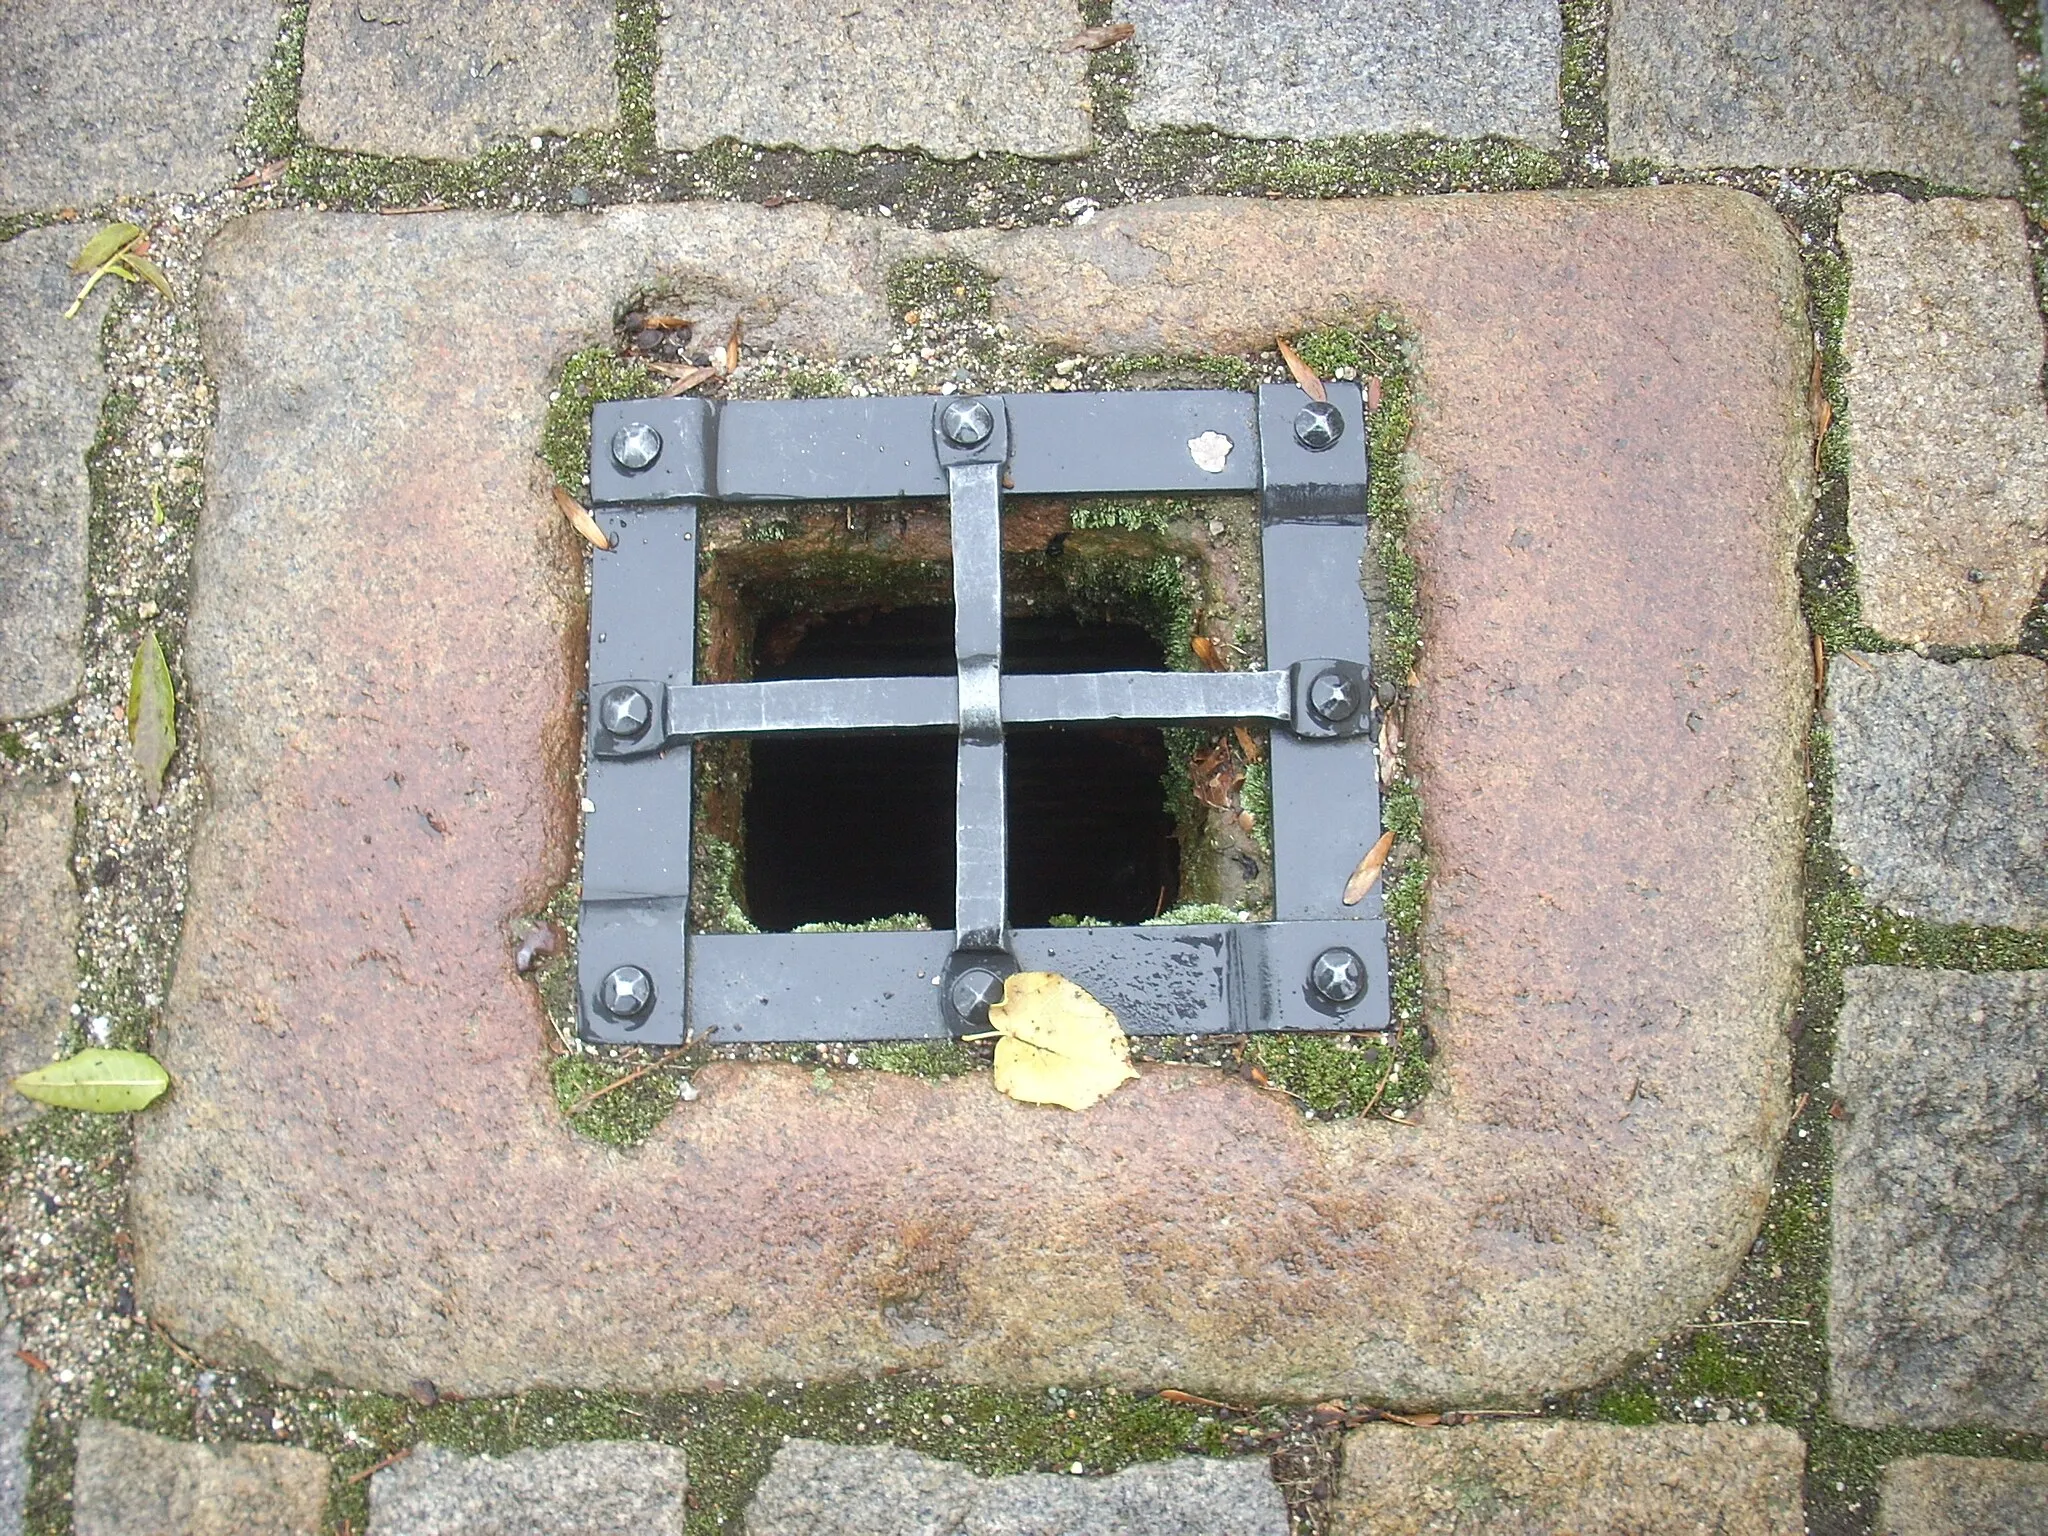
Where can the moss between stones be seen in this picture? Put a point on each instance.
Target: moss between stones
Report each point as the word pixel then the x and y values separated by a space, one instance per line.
pixel 588 378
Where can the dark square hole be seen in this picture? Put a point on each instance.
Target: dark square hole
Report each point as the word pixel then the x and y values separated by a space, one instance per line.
pixel 852 828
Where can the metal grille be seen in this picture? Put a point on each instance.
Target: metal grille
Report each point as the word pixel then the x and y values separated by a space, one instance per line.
pixel 644 978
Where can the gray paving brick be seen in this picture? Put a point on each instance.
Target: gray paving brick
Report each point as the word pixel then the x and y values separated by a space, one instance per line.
pixel 597 1488
pixel 129 1483
pixel 1962 1496
pixel 39 914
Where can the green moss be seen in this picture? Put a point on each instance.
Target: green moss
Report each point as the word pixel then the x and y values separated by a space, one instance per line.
pixel 1257 797
pixel 1180 371
pixel 1629 1405
pixel 1582 81
pixel 624 1117
pixel 271 127
pixel 902 922
pixel 809 382
pixel 1341 1075
pixel 1196 912
pixel 12 747
pixel 588 378
pixel 1711 1369
pixel 942 290
pixel 931 1059
pixel 1374 165
pixel 1153 515
pixel 715 905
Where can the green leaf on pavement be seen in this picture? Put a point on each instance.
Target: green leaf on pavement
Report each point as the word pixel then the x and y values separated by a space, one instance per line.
pixel 152 716
pixel 106 245
pixel 103 1082
pixel 140 266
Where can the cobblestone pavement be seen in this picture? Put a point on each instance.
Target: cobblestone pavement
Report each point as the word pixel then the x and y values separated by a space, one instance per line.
pixel 1699 1187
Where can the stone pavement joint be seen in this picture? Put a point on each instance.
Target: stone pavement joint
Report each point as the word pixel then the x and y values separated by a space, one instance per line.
pixel 815 1489
pixel 1513 1478
pixel 447 79
pixel 1938 1302
pixel 129 1483
pixel 1948 433
pixel 1317 69
pixel 1963 1496
pixel 103 98
pixel 1941 780
pixel 17 1414
pixel 39 920
pixel 1599 754
pixel 954 80
pixel 1929 88
pixel 51 386
pixel 590 1488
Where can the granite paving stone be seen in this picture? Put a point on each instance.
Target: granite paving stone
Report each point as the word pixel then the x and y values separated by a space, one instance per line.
pixel 1926 87
pixel 1948 433
pixel 363 1171
pixel 447 79
pixel 1516 1478
pixel 1941 785
pixel 1938 1305
pixel 131 1483
pixel 815 1489
pixel 39 917
pixel 1962 1496
pixel 17 1414
pixel 594 1488
pixel 51 386
pixel 972 77
pixel 100 99
pixel 1280 69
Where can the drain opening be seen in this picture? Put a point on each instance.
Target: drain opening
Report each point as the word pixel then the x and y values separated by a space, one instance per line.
pixel 847 829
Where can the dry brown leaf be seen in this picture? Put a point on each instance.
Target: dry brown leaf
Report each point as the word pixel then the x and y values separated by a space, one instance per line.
pixel 1414 1420
pixel 1095 39
pixel 1390 747
pixel 1820 666
pixel 1247 743
pixel 263 175
pixel 1372 393
pixel 1368 871
pixel 666 323
pixel 1189 1399
pixel 1207 654
pixel 581 520
pixel 1860 660
pixel 732 345
pixel 1304 375
pixel 1246 821
pixel 686 379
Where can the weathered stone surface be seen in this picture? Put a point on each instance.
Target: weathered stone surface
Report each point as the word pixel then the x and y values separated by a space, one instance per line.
pixel 17 1413
pixel 1283 69
pixel 1938 1306
pixel 101 99
pixel 1963 1496
pixel 1512 1478
pixel 1941 785
pixel 363 1171
pixel 597 1488
pixel 446 79
pixel 39 914
pixel 51 385
pixel 815 1489
pixel 1948 478
pixel 1928 87
pixel 952 80
pixel 129 1483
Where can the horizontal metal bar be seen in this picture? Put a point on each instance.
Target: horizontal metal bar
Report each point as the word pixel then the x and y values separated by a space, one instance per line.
pixel 811 704
pixel 1148 698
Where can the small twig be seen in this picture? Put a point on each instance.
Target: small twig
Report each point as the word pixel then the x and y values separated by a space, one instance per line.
pixel 391 1460
pixel 176 1348
pixel 1374 1101
pixel 614 1086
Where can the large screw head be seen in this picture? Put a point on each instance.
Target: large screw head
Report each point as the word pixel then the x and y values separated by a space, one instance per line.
pixel 1318 425
pixel 625 712
pixel 973 993
pixel 1333 696
pixel 626 992
pixel 635 446
pixel 966 423
pixel 1338 976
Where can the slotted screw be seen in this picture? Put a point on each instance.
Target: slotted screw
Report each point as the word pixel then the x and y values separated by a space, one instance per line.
pixel 635 446
pixel 625 712
pixel 1338 976
pixel 1333 696
pixel 966 423
pixel 1318 425
pixel 974 992
pixel 626 992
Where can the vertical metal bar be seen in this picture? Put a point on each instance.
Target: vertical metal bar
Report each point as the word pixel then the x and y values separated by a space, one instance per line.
pixel 981 828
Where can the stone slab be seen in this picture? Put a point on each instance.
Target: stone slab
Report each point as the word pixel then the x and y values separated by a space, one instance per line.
pixel 101 99
pixel 815 1489
pixel 1927 87
pixel 1938 1307
pixel 447 79
pixel 1941 785
pixel 972 77
pixel 39 918
pixel 1948 434
pixel 51 386
pixel 1510 1479
pixel 17 1415
pixel 363 1171
pixel 1297 69
pixel 1962 1496
pixel 595 1488
pixel 130 1483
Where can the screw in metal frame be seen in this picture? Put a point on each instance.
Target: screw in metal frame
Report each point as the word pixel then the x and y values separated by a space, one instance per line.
pixel 625 712
pixel 1318 425
pixel 1333 697
pixel 966 423
pixel 626 992
pixel 973 992
pixel 1338 976
pixel 635 446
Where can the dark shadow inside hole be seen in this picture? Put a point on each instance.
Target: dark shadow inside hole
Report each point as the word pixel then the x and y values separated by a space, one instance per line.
pixel 852 828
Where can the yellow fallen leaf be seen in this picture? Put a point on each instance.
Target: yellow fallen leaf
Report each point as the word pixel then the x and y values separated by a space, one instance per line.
pixel 1058 1045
